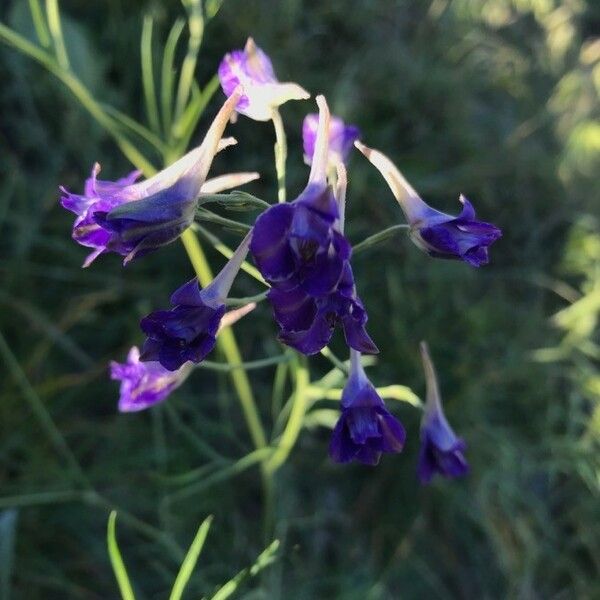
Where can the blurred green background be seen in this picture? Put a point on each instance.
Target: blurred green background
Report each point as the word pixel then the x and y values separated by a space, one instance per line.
pixel 497 99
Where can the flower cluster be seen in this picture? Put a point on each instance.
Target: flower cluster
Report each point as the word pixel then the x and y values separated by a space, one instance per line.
pixel 301 253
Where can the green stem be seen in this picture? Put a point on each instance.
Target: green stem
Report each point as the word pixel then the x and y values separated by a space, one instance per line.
pixel 248 366
pixel 227 252
pixel 379 237
pixel 280 154
pixel 294 424
pixel 246 299
pixel 39 22
pixel 329 355
pixel 148 74
pixel 56 32
pixel 226 342
pixel 203 214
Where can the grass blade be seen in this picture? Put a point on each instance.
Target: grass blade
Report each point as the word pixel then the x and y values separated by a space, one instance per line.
pixel 265 558
pixel 39 22
pixel 56 33
pixel 116 559
pixel 148 74
pixel 168 74
pixel 189 562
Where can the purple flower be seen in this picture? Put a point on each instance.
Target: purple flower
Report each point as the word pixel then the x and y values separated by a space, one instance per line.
pixel 301 252
pixel 441 450
pixel 365 428
pixel 187 332
pixel 341 139
pixel 133 218
pixel 144 384
pixel 435 232
pixel 253 69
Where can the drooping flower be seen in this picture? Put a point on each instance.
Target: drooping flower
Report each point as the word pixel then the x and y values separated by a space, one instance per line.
pixel 301 252
pixel 365 429
pixel 263 92
pixel 133 217
pixel 441 450
pixel 187 332
pixel 146 383
pixel 341 139
pixel 437 233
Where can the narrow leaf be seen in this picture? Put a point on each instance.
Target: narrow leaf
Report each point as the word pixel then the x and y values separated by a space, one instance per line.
pixel 117 561
pixel 189 562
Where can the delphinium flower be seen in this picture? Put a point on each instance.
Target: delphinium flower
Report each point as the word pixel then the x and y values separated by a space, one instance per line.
pixel 441 450
pixel 263 92
pixel 133 218
pixel 365 429
pixel 187 332
pixel 341 139
pixel 145 383
pixel 302 254
pixel 437 233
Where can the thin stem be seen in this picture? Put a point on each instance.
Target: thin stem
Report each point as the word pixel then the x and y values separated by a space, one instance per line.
pixel 56 33
pixel 248 366
pixel 196 29
pixel 39 22
pixel 227 252
pixel 168 74
pixel 328 354
pixel 280 154
pixel 247 299
pixel 294 424
pixel 227 344
pixel 204 214
pixel 379 237
pixel 148 74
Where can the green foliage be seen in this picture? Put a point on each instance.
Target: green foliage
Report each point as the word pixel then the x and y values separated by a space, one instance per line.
pixel 494 98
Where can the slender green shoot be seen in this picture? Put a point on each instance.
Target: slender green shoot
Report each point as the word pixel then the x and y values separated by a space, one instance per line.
pixel 116 559
pixel 190 560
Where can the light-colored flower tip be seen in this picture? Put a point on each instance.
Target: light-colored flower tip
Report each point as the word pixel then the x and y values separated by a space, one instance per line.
pixel 233 316
pixel 221 183
pixel 411 203
pixel 282 92
pixel 433 399
pixel 226 142
pixel 318 169
pixel 218 289
pixel 340 191
pixel 194 166
pixel 215 131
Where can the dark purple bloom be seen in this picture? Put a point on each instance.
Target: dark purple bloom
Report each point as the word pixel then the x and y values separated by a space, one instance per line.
pixel 437 233
pixel 133 218
pixel 187 332
pixel 263 92
pixel 341 138
pixel 301 252
pixel 144 384
pixel 136 228
pixel 365 429
pixel 441 450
